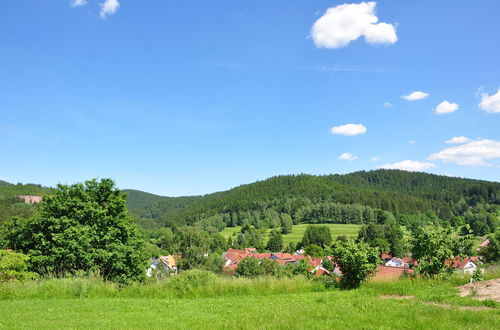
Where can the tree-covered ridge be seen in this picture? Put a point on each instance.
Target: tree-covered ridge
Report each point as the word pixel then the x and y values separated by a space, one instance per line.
pixel 350 198
pixel 11 205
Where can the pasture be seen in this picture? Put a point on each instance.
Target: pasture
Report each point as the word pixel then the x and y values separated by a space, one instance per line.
pixel 298 231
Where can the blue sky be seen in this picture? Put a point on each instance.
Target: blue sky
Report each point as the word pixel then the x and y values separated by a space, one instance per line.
pixel 190 97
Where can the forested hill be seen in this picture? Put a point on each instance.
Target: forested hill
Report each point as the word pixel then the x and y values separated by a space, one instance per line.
pixel 11 205
pixel 350 198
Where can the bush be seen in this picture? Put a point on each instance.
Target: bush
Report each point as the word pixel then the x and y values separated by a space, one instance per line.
pixel 356 261
pixel 190 280
pixel 13 266
pixel 249 267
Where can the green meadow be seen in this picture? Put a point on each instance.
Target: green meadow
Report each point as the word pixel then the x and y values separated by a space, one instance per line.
pixel 221 303
pixel 298 231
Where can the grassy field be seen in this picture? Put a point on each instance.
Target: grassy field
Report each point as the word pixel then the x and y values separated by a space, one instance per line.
pixel 243 304
pixel 298 231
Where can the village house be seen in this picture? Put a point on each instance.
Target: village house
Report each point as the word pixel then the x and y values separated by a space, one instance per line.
pixel 464 266
pixel 164 264
pixel 407 262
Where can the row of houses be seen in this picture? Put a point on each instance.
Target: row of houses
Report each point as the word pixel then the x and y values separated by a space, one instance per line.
pixel 234 256
pixel 391 268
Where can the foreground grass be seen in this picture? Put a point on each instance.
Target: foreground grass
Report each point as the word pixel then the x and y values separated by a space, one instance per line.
pixel 298 231
pixel 214 302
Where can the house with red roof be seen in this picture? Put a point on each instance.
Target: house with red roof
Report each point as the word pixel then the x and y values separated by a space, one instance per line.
pixel 464 266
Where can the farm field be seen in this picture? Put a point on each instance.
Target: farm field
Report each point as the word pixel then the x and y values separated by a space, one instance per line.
pixel 298 231
pixel 376 305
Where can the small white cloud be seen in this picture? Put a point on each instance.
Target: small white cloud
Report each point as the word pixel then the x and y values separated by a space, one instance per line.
pixel 415 96
pixel 348 129
pixel 78 3
pixel 412 141
pixel 476 152
pixel 345 23
pixel 388 104
pixel 408 165
pixel 374 159
pixel 347 156
pixel 458 140
pixel 109 7
pixel 446 107
pixel 490 103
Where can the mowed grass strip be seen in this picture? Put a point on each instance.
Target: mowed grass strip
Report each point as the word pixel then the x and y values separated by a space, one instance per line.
pixel 335 310
pixel 298 231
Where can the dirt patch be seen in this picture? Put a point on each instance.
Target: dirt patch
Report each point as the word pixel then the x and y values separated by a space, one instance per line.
pixel 396 296
pixel 462 308
pixel 482 290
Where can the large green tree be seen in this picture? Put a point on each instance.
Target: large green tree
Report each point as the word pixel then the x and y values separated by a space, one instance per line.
pixel 319 235
pixel 356 261
pixel 82 227
pixel 432 246
pixel 275 243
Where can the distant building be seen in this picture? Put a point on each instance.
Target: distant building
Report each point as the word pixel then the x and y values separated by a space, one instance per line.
pixel 31 199
pixel 464 266
pixel 165 264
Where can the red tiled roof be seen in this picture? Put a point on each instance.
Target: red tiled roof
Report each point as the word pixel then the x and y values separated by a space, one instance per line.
pixel 315 262
pixel 321 272
pixel 459 263
pixel 385 255
pixel 388 273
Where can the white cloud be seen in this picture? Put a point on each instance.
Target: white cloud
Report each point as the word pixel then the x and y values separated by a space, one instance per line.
pixel 415 96
pixel 408 165
pixel 472 153
pixel 78 3
pixel 458 140
pixel 109 7
pixel 347 156
pixel 490 103
pixel 388 104
pixel 374 159
pixel 348 129
pixel 412 141
pixel 345 23
pixel 446 107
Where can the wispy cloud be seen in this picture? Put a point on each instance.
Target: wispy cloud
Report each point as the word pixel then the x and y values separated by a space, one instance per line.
pixel 78 3
pixel 108 7
pixel 408 165
pixel 349 129
pixel 415 96
pixel 323 68
pixel 347 156
pixel 476 152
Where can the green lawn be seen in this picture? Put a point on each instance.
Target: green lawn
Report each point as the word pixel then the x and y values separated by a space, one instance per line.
pixel 298 231
pixel 333 309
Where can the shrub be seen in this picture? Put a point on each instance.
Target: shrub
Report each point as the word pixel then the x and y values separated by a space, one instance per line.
pixel 13 266
pixel 356 261
pixel 190 280
pixel 249 267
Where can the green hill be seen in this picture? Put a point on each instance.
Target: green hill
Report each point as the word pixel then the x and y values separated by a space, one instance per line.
pixel 352 198
pixel 11 205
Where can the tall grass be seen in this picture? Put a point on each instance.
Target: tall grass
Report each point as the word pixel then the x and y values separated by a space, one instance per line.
pixel 190 284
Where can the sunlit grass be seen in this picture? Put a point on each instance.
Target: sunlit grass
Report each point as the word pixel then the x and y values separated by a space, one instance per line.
pixel 298 231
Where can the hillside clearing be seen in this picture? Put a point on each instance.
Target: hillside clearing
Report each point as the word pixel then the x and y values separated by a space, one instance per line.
pixel 298 231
